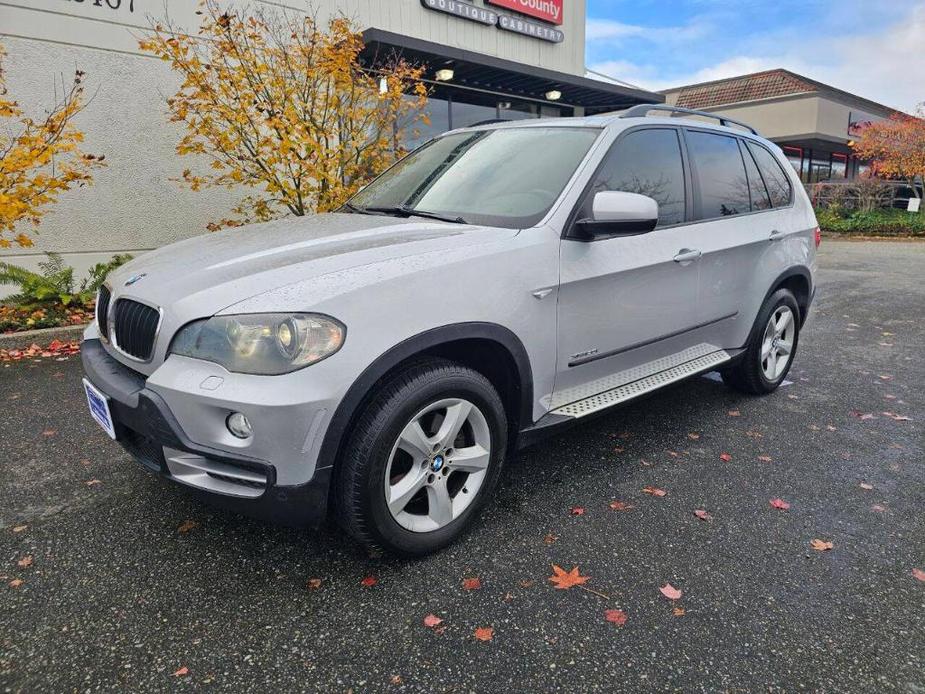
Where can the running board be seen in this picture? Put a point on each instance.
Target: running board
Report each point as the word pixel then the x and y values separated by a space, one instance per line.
pixel 634 389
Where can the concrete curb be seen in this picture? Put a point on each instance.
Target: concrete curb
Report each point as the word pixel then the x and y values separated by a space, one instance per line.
pixel 41 337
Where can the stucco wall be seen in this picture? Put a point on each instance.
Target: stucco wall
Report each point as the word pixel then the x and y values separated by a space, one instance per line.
pixel 133 204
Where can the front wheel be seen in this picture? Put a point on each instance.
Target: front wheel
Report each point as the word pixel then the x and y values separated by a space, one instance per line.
pixel 771 348
pixel 424 456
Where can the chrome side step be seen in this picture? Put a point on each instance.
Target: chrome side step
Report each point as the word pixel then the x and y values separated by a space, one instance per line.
pixel 634 389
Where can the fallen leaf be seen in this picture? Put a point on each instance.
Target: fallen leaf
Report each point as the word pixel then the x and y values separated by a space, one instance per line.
pixel 566 579
pixel 919 574
pixel 617 617
pixel 618 449
pixel 526 583
pixel 432 620
pixel 780 504
pixel 725 457
pixel 396 680
pixel 471 584
pixel 620 506
pixel 865 485
pixel 821 545
pixel 314 583
pixel 754 434
pixel 49 432
pixel 765 458
pixel 182 672
pixel 886 377
pixel 897 417
pixel 654 491
pixel 577 511
pixel 703 515
pixel 550 538
pixel 734 413
pixel 19 528
pixel 670 592
pixel 25 562
pixel 369 581
pixel 693 435
pixel 485 633
pixel 93 483
pixel 678 612
pixel 186 526
pixel 877 508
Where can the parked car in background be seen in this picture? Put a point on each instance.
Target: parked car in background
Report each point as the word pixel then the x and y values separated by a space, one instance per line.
pixel 501 280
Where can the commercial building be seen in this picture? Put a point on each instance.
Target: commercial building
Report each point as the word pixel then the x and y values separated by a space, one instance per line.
pixel 486 59
pixel 811 121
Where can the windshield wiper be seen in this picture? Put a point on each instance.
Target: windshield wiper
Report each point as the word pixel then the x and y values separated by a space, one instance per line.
pixel 357 210
pixel 407 211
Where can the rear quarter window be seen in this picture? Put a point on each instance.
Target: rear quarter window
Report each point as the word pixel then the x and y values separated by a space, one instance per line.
pixel 777 182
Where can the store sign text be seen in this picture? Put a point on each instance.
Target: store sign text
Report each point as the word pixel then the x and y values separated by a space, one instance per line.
pixel 547 10
pixel 111 4
pixel 518 25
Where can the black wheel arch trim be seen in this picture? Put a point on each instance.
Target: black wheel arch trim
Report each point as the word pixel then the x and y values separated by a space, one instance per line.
pixel 795 271
pixel 410 347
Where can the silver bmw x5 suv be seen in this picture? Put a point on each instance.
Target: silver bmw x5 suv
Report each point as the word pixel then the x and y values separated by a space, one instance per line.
pixel 378 363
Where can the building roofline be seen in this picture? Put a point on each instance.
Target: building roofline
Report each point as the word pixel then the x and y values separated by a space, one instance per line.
pixel 820 86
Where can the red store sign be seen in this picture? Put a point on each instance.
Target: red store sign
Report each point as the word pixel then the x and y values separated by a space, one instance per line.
pixel 547 10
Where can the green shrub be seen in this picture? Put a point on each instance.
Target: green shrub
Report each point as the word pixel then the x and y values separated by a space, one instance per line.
pixel 54 284
pixel 887 222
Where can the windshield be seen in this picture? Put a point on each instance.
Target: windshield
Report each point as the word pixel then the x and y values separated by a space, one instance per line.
pixel 507 177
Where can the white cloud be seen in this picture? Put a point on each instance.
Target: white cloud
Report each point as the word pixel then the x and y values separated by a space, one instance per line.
pixel 611 31
pixel 884 66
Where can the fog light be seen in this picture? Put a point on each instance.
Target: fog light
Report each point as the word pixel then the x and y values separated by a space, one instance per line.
pixel 239 426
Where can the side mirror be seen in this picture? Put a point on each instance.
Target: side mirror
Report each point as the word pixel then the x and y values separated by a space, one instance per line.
pixel 616 213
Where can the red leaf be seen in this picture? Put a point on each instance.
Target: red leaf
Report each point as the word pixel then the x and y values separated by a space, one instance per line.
pixel 484 633
pixel 725 457
pixel 703 515
pixel 734 413
pixel 617 617
pixel 25 562
pixel 471 584
pixel 182 672
pixel 432 620
pixel 369 581
pixel 577 511
pixel 566 579
pixel 654 491
pixel 314 583
pixel 670 592
pixel 919 574
pixel 620 506
pixel 780 504
pixel 821 545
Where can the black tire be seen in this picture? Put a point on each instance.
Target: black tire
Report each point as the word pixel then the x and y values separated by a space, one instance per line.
pixel 747 375
pixel 359 497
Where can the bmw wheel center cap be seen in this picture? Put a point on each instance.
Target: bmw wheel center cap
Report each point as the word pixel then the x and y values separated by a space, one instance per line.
pixel 437 463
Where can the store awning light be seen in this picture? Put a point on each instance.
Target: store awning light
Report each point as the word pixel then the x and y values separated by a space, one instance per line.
pixel 554 95
pixel 444 75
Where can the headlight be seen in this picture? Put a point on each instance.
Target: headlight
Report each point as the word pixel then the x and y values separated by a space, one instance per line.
pixel 266 344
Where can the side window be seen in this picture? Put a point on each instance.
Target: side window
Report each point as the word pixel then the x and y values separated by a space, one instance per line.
pixel 720 172
pixel 647 162
pixel 774 176
pixel 760 198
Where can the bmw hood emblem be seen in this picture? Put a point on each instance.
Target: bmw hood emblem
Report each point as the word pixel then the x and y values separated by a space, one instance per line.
pixel 134 278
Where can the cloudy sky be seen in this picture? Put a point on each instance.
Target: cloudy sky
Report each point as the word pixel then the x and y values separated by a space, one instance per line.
pixel 873 48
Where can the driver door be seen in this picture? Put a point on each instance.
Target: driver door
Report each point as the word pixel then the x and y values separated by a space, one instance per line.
pixel 629 301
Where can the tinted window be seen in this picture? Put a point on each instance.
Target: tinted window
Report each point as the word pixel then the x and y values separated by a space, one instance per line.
pixel 647 162
pixel 760 198
pixel 774 176
pixel 720 173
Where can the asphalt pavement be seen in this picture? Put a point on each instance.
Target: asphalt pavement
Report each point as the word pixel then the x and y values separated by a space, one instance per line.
pixel 113 579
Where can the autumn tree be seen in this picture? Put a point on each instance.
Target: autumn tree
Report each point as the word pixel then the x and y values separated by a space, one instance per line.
pixel 280 104
pixel 895 147
pixel 39 159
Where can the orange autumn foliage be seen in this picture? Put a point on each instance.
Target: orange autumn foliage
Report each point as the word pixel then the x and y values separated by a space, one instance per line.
pixel 40 158
pixel 895 147
pixel 276 103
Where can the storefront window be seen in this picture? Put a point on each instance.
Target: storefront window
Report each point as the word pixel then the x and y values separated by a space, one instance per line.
pixel 470 114
pixel 517 110
pixel 820 168
pixel 839 165
pixel 795 157
pixel 437 112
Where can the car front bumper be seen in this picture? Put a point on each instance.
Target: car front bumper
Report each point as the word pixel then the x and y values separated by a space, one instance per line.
pixel 147 428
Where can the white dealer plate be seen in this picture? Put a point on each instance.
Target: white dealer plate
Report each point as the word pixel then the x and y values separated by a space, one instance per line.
pixel 99 409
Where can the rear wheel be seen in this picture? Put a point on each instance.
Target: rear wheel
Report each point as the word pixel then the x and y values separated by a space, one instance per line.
pixel 771 348
pixel 424 456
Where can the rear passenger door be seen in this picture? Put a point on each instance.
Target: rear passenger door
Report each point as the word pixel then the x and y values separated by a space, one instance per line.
pixel 735 224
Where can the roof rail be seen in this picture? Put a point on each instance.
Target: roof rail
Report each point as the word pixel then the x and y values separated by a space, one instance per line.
pixel 641 110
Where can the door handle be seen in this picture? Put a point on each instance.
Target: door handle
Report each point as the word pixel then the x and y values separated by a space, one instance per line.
pixel 776 235
pixel 686 255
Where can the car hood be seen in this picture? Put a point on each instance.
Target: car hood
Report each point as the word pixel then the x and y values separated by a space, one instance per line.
pixel 205 274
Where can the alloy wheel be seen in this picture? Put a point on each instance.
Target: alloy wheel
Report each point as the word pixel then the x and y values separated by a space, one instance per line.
pixel 777 345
